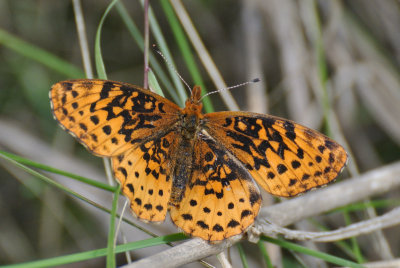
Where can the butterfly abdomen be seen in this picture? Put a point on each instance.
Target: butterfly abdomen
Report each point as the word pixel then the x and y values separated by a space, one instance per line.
pixel 182 171
pixel 188 128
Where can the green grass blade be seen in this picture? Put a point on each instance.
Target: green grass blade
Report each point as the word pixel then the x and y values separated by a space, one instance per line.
pixel 158 35
pixel 37 54
pixel 111 231
pixel 9 157
pixel 100 67
pixel 385 203
pixel 31 163
pixel 322 67
pixel 153 83
pixel 264 253
pixel 187 53
pixel 355 247
pixel 84 256
pixel 47 179
pixel 137 36
pixel 242 255
pixel 342 245
pixel 101 72
pixel 321 255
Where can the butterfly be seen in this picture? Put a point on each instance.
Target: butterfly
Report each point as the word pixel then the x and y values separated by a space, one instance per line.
pixel 202 168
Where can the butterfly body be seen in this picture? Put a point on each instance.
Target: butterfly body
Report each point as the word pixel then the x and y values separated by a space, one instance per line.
pixel 202 168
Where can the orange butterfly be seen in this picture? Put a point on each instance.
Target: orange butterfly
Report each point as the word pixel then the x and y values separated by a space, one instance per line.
pixel 200 167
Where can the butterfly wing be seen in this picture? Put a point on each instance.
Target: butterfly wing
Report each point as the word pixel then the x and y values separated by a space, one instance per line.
pixel 221 199
pixel 145 175
pixel 107 116
pixel 285 158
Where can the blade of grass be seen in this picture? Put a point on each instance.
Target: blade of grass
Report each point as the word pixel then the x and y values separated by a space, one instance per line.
pixel 158 35
pixel 37 54
pixel 363 205
pixel 111 231
pixel 343 245
pixel 47 179
pixel 242 255
pixel 204 56
pixel 100 68
pixel 146 43
pixel 101 72
pixel 321 255
pixel 183 44
pixel 265 254
pixel 353 240
pixel 323 77
pixel 83 43
pixel 155 66
pixel 322 68
pixel 31 163
pixel 92 254
pixel 153 83
pixel 63 188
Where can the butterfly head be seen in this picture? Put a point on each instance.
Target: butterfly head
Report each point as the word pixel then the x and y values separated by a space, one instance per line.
pixel 193 104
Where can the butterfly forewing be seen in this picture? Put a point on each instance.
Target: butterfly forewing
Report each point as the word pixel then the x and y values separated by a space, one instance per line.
pixel 284 158
pixel 108 116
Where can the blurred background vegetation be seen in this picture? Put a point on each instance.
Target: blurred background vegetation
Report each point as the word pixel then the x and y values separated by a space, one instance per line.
pixel 330 65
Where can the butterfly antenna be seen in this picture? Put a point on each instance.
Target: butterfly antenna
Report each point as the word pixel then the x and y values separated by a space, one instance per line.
pixel 171 67
pixel 255 80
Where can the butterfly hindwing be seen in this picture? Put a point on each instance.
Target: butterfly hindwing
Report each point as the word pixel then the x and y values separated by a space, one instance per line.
pixel 284 158
pixel 106 116
pixel 221 199
pixel 145 175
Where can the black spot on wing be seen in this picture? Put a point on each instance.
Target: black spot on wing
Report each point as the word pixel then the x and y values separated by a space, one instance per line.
pixel 331 158
pixel 233 223
pixel 330 144
pixel 206 210
pixel 193 203
pixel 295 164
pixel 123 171
pixel 218 228
pixel 138 201
pixel 83 126
pixel 281 168
pixel 305 177
pixel 289 127
pixel 300 153
pixel 130 187
pixel 107 130
pixel 94 119
pixel 254 197
pixel 202 225
pixel 107 86
pixel 187 217
pixel 245 213
pixel 148 206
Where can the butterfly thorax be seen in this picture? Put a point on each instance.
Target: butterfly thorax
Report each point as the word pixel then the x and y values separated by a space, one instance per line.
pixel 191 114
